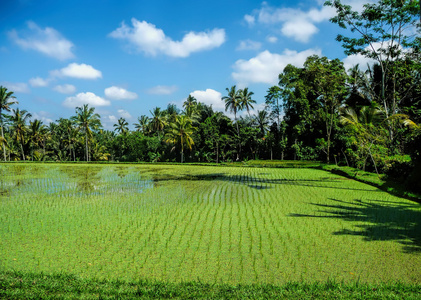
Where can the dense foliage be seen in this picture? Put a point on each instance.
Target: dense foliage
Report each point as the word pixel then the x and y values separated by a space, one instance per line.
pixel 366 117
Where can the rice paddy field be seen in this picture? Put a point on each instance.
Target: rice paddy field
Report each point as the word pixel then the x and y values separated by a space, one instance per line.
pixel 209 224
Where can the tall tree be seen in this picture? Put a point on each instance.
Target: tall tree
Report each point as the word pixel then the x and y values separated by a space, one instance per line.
pixel 262 121
pixel 142 124
pixel 18 119
pixel 37 131
pixel 180 132
pixel 158 120
pixel 383 31
pixel 122 126
pixel 190 102
pixel 245 99
pixel 327 77
pixel 233 104
pixel 272 100
pixel 6 100
pixel 86 120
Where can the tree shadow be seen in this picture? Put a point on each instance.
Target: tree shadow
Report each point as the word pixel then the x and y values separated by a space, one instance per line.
pixel 257 182
pixel 387 221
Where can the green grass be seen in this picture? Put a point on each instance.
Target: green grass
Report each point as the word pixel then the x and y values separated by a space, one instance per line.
pixel 21 285
pixel 213 225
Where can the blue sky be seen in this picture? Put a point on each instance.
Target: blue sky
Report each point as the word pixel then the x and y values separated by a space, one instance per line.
pixel 127 57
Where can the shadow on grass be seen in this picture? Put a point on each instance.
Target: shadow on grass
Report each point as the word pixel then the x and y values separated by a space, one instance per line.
pixel 261 183
pixel 387 221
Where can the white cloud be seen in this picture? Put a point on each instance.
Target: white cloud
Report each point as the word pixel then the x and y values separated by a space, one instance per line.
pixel 81 71
pixel 362 61
pixel 248 45
pixel 65 88
pixel 145 37
pixel 210 97
pixel 38 82
pixel 294 23
pixel 162 90
pixel 358 59
pixel 124 114
pixel 266 66
pixel 117 93
pixel 250 19
pixel 299 30
pixel 112 118
pixel 47 41
pixel 16 87
pixel 44 116
pixel 272 39
pixel 85 98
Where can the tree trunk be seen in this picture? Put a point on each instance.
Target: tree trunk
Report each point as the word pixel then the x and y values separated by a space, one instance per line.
pixel 23 153
pixel 86 146
pixel 2 135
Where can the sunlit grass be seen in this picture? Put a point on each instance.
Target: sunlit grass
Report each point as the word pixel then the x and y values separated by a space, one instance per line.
pixel 213 224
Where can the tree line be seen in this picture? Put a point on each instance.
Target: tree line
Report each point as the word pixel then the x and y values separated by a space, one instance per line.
pixel 366 117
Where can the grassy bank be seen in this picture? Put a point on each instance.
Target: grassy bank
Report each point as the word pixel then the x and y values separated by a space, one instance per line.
pixel 21 285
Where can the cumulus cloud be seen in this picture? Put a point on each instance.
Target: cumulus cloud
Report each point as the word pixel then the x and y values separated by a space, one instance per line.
pixel 210 97
pixel 363 61
pixel 149 39
pixel 47 41
pixel 118 93
pixel 124 114
pixel 16 87
pixel 38 82
pixel 162 90
pixel 81 71
pixel 250 20
pixel 272 39
pixel 65 88
pixel 266 66
pixel 298 24
pixel 85 98
pixel 248 45
pixel 44 116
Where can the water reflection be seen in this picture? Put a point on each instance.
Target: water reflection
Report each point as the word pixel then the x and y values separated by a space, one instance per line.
pixel 71 179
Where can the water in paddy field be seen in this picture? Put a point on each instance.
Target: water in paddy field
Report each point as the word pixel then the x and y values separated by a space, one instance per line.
pixel 71 179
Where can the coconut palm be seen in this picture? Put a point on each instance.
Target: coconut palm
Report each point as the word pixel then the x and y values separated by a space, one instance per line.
pixel 37 131
pixel 190 102
pixel 121 126
pixel 245 99
pixel 158 121
pixel 366 125
pixel 262 121
pixel 18 119
pixel 180 132
pixel 6 100
pixel 142 124
pixel 86 120
pixel 233 104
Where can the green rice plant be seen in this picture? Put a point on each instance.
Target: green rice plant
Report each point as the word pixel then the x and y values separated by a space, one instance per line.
pixel 174 223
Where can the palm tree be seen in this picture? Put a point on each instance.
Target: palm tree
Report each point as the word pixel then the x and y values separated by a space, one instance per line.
pixel 86 120
pixel 18 119
pixel 262 121
pixel 190 102
pixel 233 104
pixel 158 121
pixel 245 99
pixel 366 125
pixel 142 124
pixel 180 132
pixel 121 126
pixel 37 130
pixel 5 102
